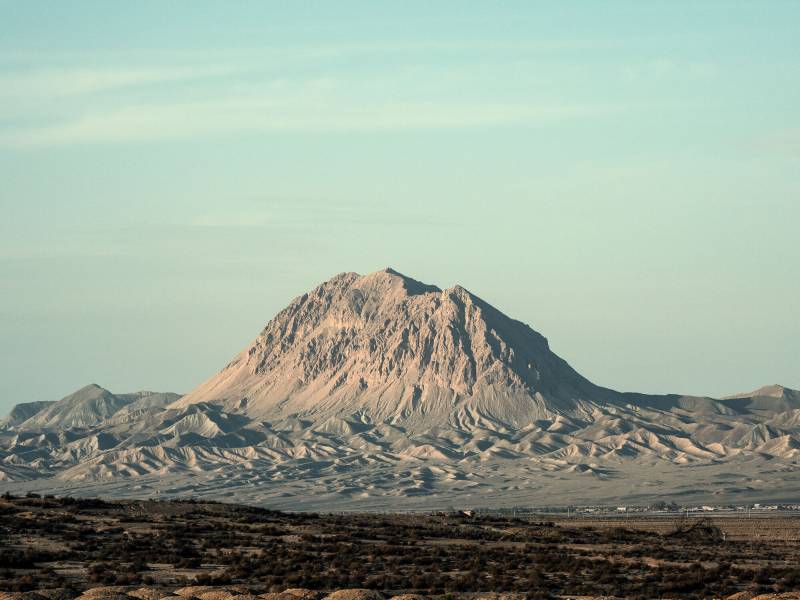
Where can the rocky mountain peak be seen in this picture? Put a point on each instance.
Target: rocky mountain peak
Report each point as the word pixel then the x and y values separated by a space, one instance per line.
pixel 767 391
pixel 775 391
pixel 396 348
pixel 91 390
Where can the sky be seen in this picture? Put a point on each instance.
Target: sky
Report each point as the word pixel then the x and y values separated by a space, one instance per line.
pixel 622 176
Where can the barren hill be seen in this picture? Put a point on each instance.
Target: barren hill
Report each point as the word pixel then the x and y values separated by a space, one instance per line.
pixel 396 350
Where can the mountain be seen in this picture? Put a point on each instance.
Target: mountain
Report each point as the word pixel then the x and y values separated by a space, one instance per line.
pixel 381 391
pixel 23 412
pixel 89 406
pixel 398 351
pixel 772 398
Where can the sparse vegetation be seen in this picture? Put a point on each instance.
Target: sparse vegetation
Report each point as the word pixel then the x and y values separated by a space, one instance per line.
pixel 57 542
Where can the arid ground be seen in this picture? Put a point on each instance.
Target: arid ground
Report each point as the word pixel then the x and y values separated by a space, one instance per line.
pixel 74 545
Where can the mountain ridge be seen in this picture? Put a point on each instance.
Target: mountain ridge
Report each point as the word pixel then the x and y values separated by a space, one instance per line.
pixel 88 406
pixel 381 390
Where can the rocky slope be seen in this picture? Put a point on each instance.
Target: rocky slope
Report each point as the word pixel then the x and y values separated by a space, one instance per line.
pixel 398 351
pixel 378 389
pixel 23 412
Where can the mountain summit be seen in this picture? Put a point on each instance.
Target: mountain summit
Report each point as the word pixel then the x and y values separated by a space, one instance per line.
pixel 400 351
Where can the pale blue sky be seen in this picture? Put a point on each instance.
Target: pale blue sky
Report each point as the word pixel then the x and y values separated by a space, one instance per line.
pixel 623 176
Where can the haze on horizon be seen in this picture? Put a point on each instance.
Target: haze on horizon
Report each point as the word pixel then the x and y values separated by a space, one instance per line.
pixel 623 177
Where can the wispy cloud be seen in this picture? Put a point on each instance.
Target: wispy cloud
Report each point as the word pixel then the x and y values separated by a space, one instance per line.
pixel 236 115
pixel 305 213
pixel 50 100
pixel 71 81
pixel 309 91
